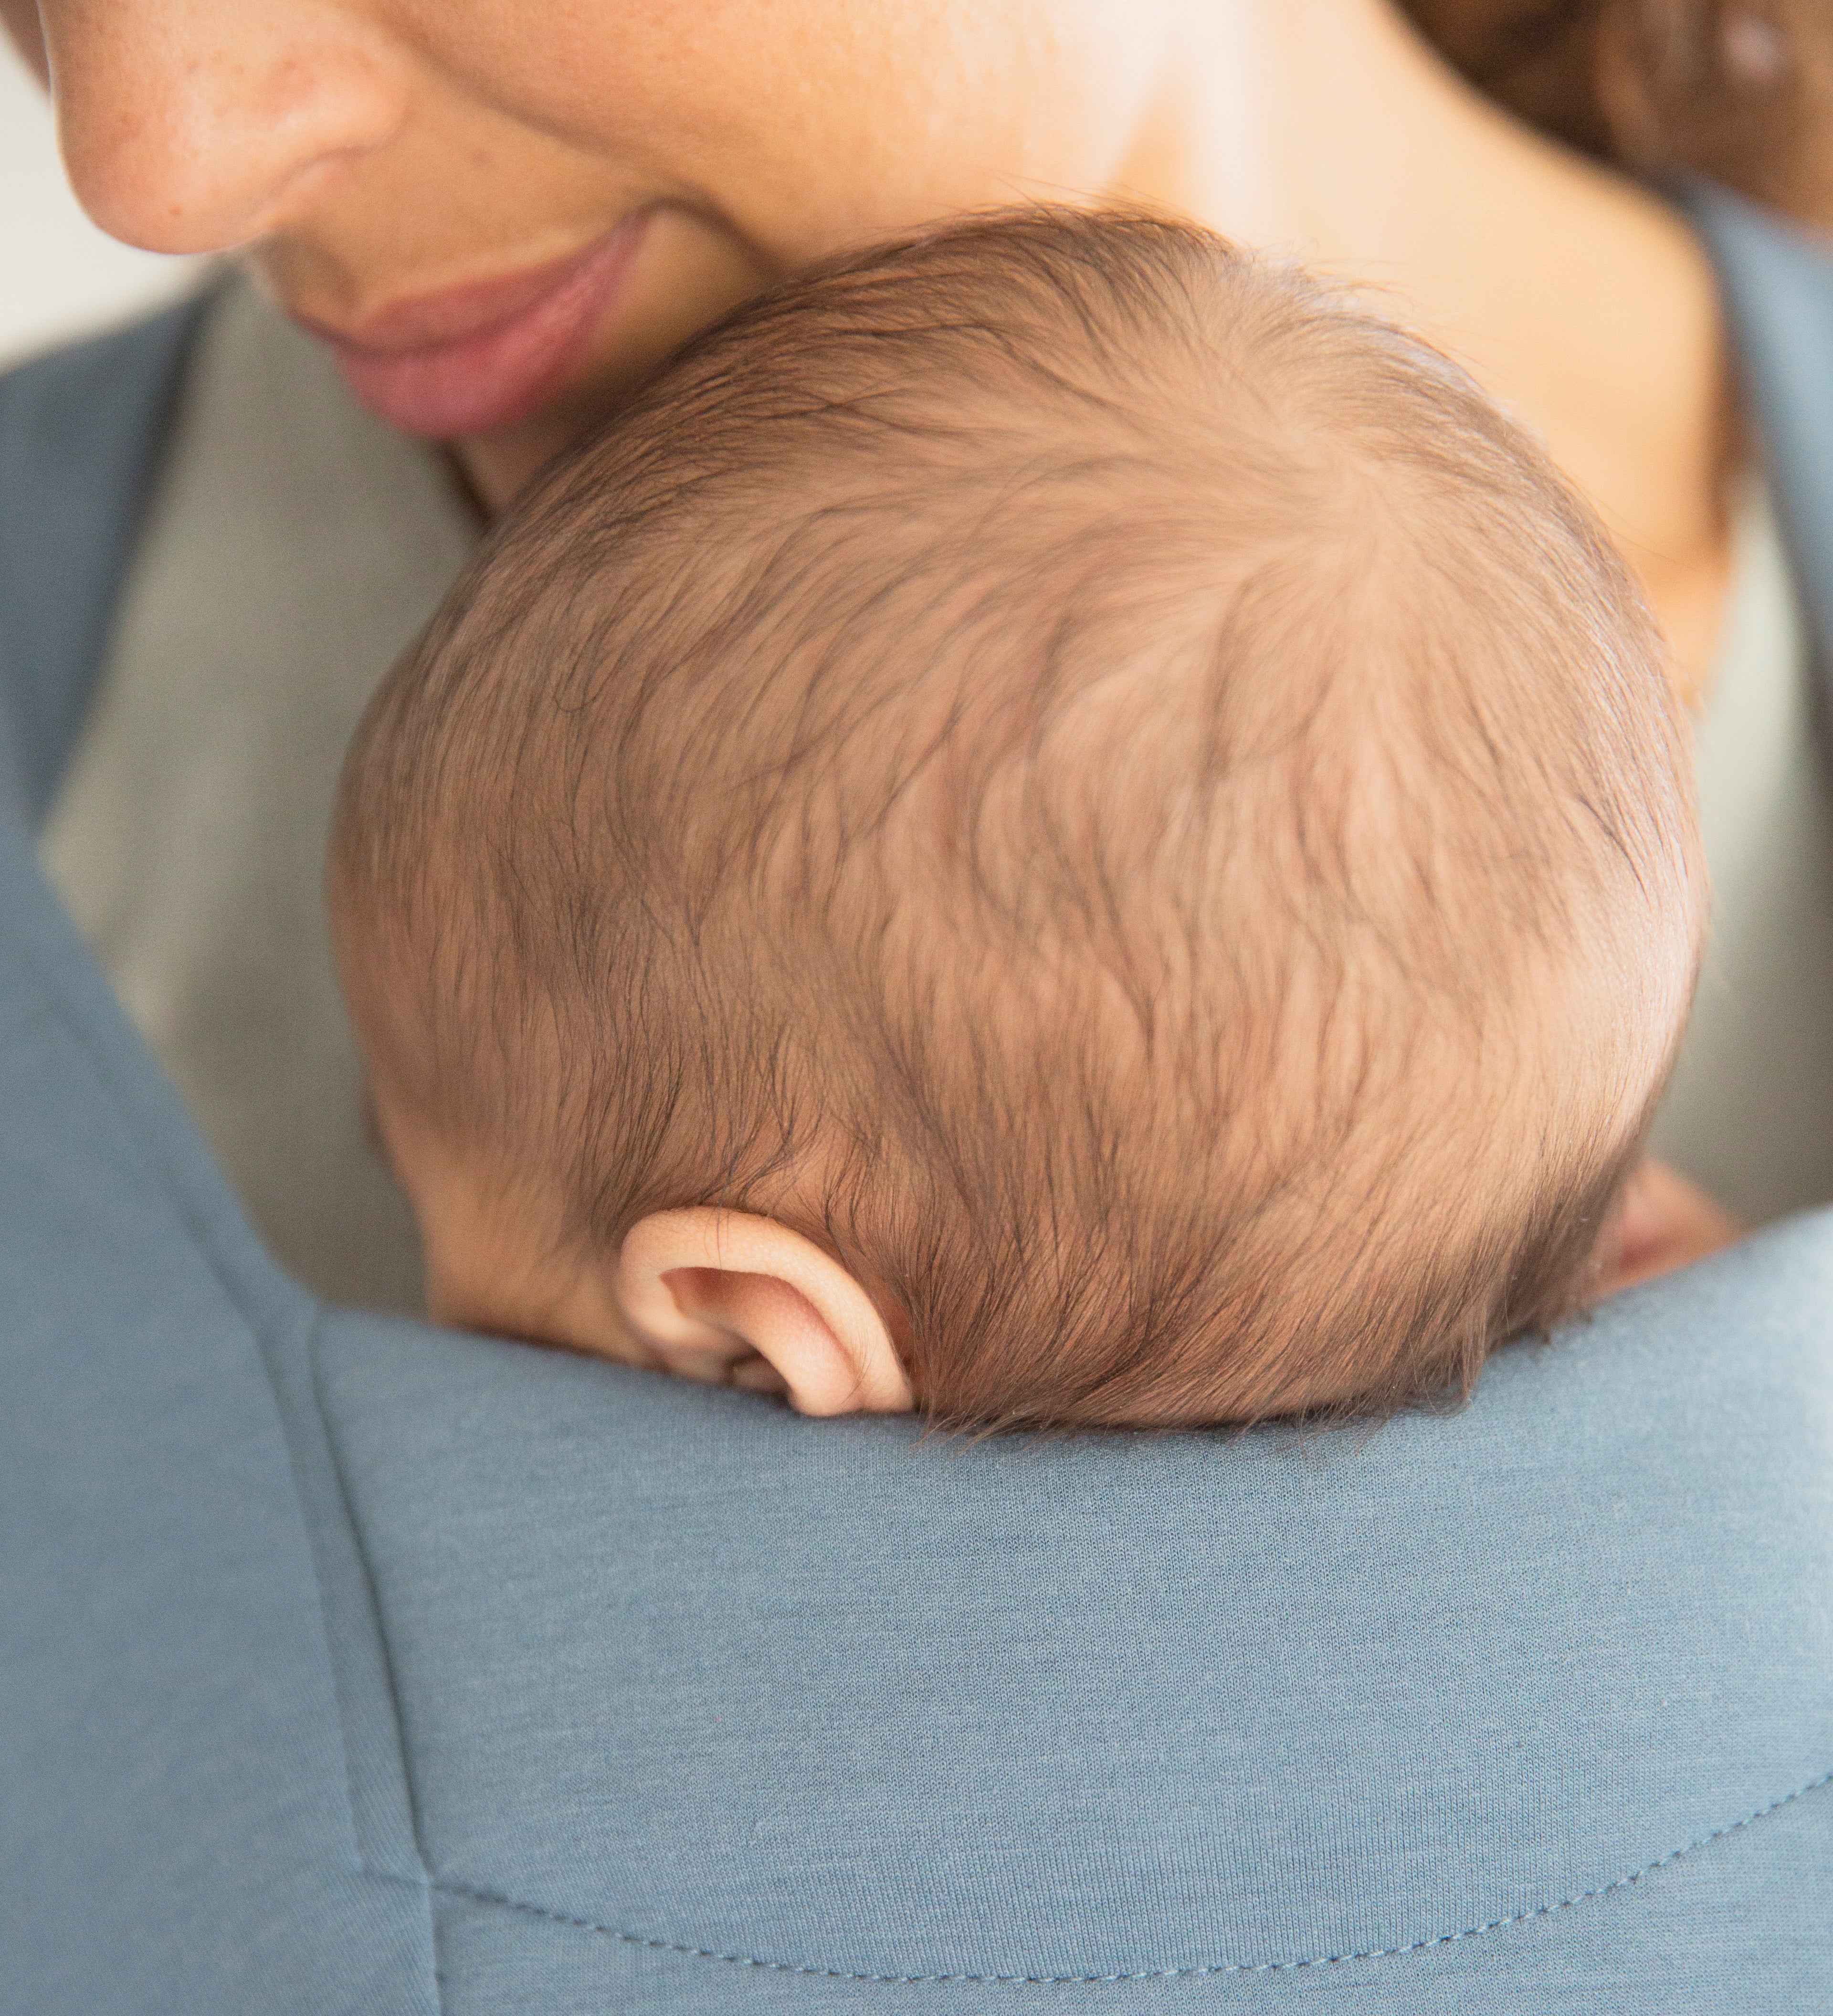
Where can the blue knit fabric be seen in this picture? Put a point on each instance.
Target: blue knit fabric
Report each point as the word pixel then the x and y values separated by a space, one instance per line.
pixel 346 1664
pixel 354 1666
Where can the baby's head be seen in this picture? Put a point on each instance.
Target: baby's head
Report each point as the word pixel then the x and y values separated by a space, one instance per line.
pixel 1057 825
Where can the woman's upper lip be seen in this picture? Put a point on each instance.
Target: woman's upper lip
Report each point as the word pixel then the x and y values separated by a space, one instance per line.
pixel 450 314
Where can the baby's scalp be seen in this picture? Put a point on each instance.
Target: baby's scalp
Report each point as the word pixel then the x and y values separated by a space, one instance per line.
pixel 1093 778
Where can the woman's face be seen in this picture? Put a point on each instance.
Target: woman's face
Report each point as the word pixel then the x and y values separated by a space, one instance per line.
pixel 502 212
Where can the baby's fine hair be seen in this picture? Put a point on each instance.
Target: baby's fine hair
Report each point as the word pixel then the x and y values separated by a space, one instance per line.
pixel 1087 773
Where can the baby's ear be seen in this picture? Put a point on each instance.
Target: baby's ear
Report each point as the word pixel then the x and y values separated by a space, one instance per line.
pixel 703 1285
pixel 1662 1222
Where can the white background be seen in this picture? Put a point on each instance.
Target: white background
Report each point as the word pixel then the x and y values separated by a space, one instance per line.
pixel 60 276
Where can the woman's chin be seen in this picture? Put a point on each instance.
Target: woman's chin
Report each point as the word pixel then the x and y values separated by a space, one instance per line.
pixel 500 465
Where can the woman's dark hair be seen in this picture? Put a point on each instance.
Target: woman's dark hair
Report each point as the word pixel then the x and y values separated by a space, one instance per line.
pixel 1739 90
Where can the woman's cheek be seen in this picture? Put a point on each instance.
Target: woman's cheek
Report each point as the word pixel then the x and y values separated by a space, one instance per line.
pixel 809 126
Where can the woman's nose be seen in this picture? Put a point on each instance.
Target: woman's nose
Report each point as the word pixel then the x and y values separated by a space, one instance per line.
pixel 194 125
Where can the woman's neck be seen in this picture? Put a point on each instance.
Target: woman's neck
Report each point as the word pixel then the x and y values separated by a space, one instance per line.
pixel 1327 128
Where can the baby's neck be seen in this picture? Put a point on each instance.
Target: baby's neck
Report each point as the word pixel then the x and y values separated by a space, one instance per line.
pixel 1329 129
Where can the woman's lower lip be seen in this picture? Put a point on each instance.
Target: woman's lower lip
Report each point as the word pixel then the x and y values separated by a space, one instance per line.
pixel 503 371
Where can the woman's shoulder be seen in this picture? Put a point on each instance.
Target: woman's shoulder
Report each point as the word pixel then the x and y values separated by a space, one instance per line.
pixel 81 429
pixel 69 413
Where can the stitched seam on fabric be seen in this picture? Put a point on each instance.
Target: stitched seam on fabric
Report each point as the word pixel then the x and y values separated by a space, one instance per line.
pixel 647 1945
pixel 334 1455
pixel 321 1602
pixel 314 1330
pixel 69 1017
pixel 169 1182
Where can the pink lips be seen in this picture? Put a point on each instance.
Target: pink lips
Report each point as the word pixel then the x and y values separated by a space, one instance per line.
pixel 477 358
